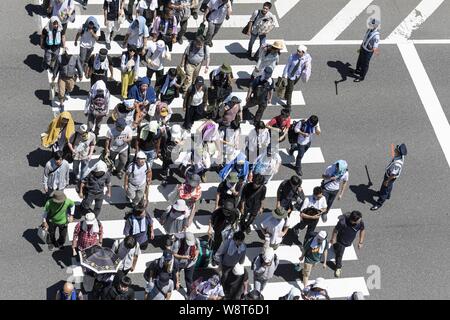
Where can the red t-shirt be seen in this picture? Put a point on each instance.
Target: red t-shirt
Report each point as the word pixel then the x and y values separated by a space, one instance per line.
pixel 277 122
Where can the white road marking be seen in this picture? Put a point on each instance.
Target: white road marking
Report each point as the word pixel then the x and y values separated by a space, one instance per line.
pixel 427 95
pixel 341 20
pixel 284 6
pixel 413 21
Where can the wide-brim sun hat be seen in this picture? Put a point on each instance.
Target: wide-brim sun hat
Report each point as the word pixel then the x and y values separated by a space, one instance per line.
pixel 180 205
pixel 190 238
pixel 280 213
pixel 278 44
pixel 90 218
pixel 58 196
pixel 226 68
pixel 141 155
pixel 101 166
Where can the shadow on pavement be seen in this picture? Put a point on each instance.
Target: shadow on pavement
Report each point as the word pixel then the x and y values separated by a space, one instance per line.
pixel 63 258
pixel 35 63
pixel 35 39
pixel 38 157
pixel 364 194
pixel 52 290
pixel 344 71
pixel 34 9
pixel 35 198
pixel 31 236
pixel 43 95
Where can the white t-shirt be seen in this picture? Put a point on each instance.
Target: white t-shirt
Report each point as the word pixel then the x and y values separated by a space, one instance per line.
pixel 61 10
pixel 205 288
pixel 197 98
pixel 125 254
pixel 157 59
pixel 138 176
pixel 334 185
pixel 218 15
pixel 87 40
pixel 305 140
pixel 261 140
pixel 275 227
pixel 311 201
pixel 117 144
pixel 136 39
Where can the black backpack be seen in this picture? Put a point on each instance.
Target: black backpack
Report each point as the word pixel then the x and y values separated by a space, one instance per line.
pixel 292 135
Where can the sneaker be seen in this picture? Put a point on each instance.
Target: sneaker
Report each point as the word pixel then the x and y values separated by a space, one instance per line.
pixel 84 7
pixel 195 15
pixel 120 174
pixel 108 46
pixel 248 230
pixel 180 41
pixel 337 273
pixel 61 108
pixel 209 44
pixel 51 247
pixel 299 172
pixel 203 178
pixel 291 151
pixel 296 231
pixel 67 96
pixel 324 217
pixel 358 80
pixel 375 207
pixel 298 267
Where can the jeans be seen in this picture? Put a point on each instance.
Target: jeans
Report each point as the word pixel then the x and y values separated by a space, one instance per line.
pixel 289 90
pixel 62 229
pixel 189 278
pixel 385 192
pixel 50 57
pixel 123 158
pixel 94 119
pixel 213 28
pixel 262 40
pixel 85 53
pixel 183 29
pixel 151 156
pixel 87 202
pixel 159 74
pixel 247 219
pixel 301 152
pixel 261 108
pixel 311 224
pixel 259 284
pixel 363 62
pixel 339 249
pixel 77 172
pixel 330 196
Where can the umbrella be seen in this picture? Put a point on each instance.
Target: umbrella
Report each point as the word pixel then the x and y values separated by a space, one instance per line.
pixel 100 260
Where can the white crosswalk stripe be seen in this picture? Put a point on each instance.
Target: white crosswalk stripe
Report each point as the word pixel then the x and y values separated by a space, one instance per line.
pixel 113 229
pixel 235 21
pixel 158 193
pixel 78 103
pixel 235 46
pixel 100 2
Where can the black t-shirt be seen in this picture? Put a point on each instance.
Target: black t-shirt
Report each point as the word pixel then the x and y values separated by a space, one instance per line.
pixel 286 194
pixel 346 231
pixel 253 198
pixel 45 35
pixel 112 8
pixel 233 286
pixel 219 221
pixel 112 293
pixel 99 71
pixel 222 190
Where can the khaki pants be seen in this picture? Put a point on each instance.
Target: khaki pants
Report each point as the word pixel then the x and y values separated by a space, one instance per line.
pixel 192 73
pixel 65 85
pixel 127 80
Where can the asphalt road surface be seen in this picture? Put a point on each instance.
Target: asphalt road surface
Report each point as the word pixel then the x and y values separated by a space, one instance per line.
pixel 406 239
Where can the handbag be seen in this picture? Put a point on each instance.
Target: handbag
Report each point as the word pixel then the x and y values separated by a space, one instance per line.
pixel 201 31
pixel 42 234
pixel 246 29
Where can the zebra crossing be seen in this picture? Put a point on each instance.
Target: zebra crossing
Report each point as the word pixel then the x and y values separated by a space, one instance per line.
pixel 113 229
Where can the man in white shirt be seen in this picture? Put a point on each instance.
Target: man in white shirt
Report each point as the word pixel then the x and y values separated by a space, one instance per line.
pixel 137 35
pixel 157 54
pixel 128 251
pixel 275 227
pixel 117 142
pixel 216 13
pixel 138 178
pixel 298 66
pixel 312 208
pixel 335 180
pixel 89 34
pixel 305 128
pixel 261 23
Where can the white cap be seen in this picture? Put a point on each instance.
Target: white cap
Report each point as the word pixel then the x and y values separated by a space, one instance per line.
pixel 302 48
pixel 141 155
pixel 238 269
pixel 128 102
pixel 101 166
pixel 320 283
pixel 83 128
pixel 153 126
pixel 268 254
pixel 322 234
pixel 90 218
pixel 160 44
pixel 374 23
